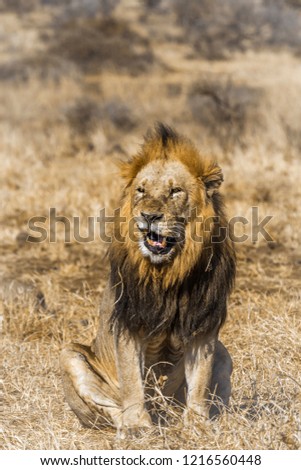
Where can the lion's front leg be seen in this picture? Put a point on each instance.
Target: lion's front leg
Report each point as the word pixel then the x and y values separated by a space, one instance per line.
pixel 130 359
pixel 198 361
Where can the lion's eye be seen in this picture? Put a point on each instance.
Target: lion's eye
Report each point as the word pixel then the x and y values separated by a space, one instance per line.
pixel 140 190
pixel 175 190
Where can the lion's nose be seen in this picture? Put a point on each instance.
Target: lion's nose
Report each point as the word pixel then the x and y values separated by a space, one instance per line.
pixel 151 217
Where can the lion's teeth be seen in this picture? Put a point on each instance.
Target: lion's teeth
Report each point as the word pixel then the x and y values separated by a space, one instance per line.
pixel 161 244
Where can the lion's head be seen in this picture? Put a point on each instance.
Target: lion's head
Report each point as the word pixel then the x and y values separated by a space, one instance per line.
pixel 170 193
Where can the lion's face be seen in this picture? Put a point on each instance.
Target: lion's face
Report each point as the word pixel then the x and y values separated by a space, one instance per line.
pixel 170 192
pixel 162 195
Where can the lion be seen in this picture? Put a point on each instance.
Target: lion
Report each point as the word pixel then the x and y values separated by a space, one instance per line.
pixel 172 269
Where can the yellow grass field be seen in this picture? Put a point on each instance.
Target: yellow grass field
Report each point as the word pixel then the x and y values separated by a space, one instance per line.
pixel 77 94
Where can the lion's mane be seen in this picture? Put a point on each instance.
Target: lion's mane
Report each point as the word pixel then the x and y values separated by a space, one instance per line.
pixel 189 295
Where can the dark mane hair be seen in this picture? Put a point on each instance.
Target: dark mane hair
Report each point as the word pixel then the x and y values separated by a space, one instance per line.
pixel 166 134
pixel 196 304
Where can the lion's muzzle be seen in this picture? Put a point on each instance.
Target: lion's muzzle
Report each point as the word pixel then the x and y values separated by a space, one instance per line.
pixel 160 238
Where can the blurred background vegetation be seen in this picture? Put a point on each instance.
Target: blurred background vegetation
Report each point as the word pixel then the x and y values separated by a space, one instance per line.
pixel 84 41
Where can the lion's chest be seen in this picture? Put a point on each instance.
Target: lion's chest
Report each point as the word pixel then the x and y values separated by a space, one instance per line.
pixel 164 348
pixel 164 365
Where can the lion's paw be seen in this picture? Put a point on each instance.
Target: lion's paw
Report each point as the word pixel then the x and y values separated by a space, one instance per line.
pixel 199 413
pixel 133 432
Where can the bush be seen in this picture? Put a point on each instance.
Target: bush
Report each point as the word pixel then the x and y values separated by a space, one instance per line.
pixel 43 67
pixel 226 110
pixel 85 116
pixel 18 6
pixel 70 8
pixel 218 28
pixel 95 44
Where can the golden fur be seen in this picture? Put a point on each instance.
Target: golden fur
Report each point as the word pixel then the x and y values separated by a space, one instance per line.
pixel 166 298
pixel 204 170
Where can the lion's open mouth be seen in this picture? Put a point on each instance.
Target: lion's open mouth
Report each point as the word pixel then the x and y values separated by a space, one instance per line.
pixel 158 244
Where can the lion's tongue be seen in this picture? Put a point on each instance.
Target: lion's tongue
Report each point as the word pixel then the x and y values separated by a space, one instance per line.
pixel 158 241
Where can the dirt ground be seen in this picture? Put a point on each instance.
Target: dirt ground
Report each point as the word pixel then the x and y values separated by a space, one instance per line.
pixel 77 93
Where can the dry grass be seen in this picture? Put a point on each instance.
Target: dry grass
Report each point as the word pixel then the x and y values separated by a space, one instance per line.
pixel 60 136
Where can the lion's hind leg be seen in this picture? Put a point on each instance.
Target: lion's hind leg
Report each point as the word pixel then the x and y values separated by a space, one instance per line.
pixel 89 389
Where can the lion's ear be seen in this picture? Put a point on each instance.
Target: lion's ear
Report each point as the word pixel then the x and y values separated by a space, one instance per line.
pixel 212 179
